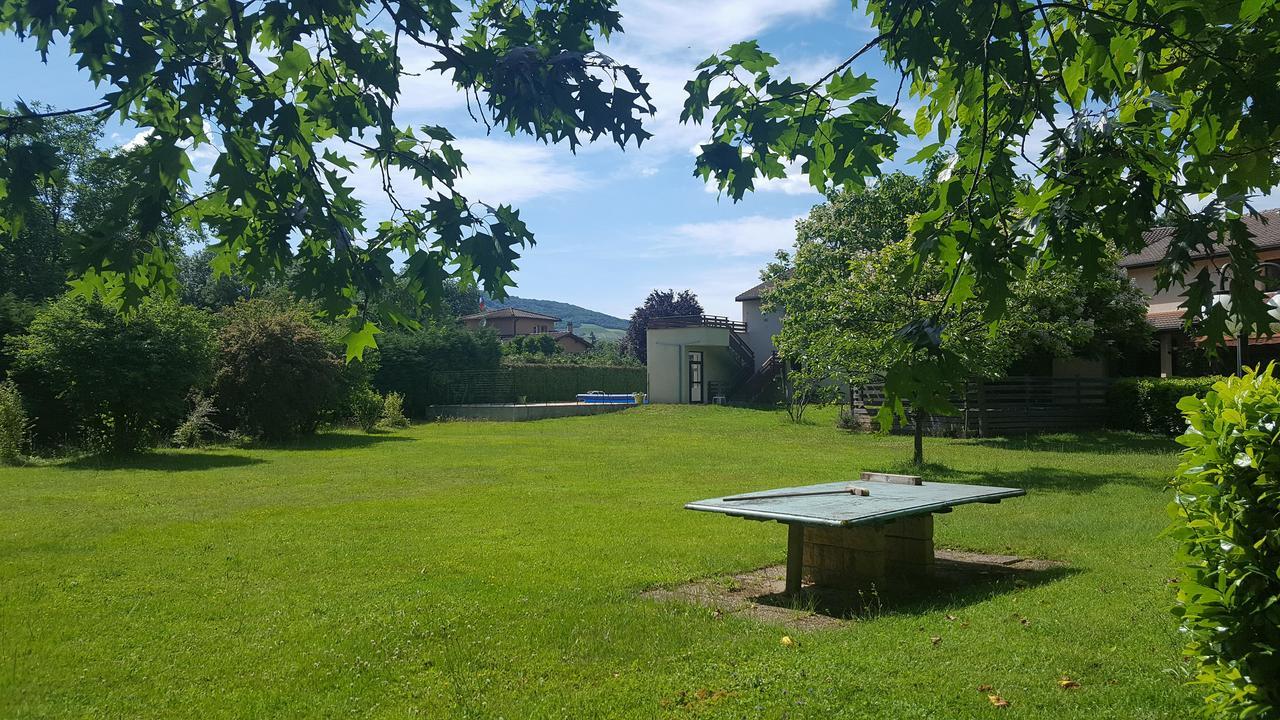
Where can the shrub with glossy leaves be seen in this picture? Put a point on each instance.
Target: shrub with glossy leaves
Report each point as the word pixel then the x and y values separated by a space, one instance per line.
pixel 1226 512
pixel 1150 405
pixel 277 373
pixel 94 377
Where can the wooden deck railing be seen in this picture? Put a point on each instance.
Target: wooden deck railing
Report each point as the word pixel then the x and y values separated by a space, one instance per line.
pixel 683 321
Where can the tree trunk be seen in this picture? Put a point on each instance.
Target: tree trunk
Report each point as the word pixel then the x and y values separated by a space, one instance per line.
pixel 918 457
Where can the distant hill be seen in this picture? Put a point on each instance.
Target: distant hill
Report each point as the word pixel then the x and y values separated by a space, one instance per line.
pixel 585 322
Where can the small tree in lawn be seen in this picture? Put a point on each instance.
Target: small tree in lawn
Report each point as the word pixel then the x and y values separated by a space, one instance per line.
pixel 660 303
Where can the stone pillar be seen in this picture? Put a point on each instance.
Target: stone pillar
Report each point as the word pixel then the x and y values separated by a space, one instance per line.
pixel 854 557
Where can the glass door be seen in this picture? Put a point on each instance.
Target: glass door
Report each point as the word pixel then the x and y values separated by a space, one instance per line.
pixel 695 377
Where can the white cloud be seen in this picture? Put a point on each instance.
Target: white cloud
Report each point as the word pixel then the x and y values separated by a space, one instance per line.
pixel 666 39
pixel 498 172
pixel 666 25
pixel 202 156
pixel 506 171
pixel 422 88
pixel 796 182
pixel 752 235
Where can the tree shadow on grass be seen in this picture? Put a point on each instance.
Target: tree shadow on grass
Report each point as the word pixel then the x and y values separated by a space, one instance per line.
pixel 181 461
pixel 1031 478
pixel 1095 443
pixel 334 441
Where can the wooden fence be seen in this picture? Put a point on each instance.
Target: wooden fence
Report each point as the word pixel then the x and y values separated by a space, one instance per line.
pixel 1010 406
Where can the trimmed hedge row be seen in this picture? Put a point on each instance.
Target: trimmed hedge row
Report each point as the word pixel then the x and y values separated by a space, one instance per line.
pixel 1225 510
pixel 1150 405
pixel 560 383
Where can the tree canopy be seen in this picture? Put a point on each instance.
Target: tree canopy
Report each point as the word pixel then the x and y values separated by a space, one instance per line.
pixel 293 97
pixel 660 303
pixel 851 290
pixel 1069 126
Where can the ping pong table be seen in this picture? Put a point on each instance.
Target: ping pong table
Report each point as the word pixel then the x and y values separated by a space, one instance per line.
pixel 846 534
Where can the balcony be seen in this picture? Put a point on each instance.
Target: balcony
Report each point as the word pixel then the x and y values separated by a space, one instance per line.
pixel 685 321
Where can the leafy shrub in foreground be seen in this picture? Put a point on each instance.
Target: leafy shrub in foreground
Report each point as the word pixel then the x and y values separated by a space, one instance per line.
pixel 1226 511
pixel 277 374
pixel 95 377
pixel 1151 404
pixel 13 423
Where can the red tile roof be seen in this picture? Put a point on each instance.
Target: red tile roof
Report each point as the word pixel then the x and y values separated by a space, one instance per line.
pixel 1167 320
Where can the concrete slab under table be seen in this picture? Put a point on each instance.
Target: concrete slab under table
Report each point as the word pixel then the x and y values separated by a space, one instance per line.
pixel 847 534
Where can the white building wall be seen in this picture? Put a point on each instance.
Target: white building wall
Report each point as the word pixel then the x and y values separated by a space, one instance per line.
pixel 761 327
pixel 668 360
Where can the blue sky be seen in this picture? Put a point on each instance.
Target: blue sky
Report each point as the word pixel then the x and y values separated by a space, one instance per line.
pixel 611 225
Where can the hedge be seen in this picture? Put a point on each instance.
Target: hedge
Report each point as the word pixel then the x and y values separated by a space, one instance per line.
pixel 408 362
pixel 559 383
pixel 1225 510
pixel 1151 404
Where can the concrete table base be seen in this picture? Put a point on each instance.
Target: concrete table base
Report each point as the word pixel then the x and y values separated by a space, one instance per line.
pixel 855 557
pixel 847 535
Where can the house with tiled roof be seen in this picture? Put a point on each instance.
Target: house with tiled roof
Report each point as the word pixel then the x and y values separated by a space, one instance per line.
pixel 511 322
pixel 1176 346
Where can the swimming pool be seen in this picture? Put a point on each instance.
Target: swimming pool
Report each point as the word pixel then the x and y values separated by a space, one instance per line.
pixel 610 399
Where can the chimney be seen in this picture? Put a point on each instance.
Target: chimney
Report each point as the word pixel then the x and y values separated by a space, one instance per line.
pixel 570 327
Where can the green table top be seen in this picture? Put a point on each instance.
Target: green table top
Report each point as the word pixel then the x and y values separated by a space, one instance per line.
pixel 886 501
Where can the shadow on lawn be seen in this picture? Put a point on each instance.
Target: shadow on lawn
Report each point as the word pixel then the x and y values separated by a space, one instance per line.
pixel 335 441
pixel 1097 443
pixel 186 461
pixel 1031 478
pixel 957 581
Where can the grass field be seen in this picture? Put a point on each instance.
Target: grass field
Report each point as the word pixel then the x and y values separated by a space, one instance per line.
pixel 482 570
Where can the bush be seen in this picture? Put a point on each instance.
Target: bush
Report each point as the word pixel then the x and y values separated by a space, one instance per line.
pixel 277 374
pixel 407 360
pixel 366 408
pixel 1151 404
pixel 92 376
pixel 393 411
pixel 199 429
pixel 15 315
pixel 1225 510
pixel 13 424
pixel 539 344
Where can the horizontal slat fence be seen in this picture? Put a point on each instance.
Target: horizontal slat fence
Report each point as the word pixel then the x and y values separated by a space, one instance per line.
pixel 1009 406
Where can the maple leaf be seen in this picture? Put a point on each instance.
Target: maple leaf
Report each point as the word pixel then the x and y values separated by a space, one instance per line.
pixel 998 701
pixel 1067 683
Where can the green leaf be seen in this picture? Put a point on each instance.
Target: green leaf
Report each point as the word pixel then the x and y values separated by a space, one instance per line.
pixel 359 340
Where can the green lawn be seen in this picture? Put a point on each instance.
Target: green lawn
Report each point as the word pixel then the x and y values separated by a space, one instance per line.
pixel 492 570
